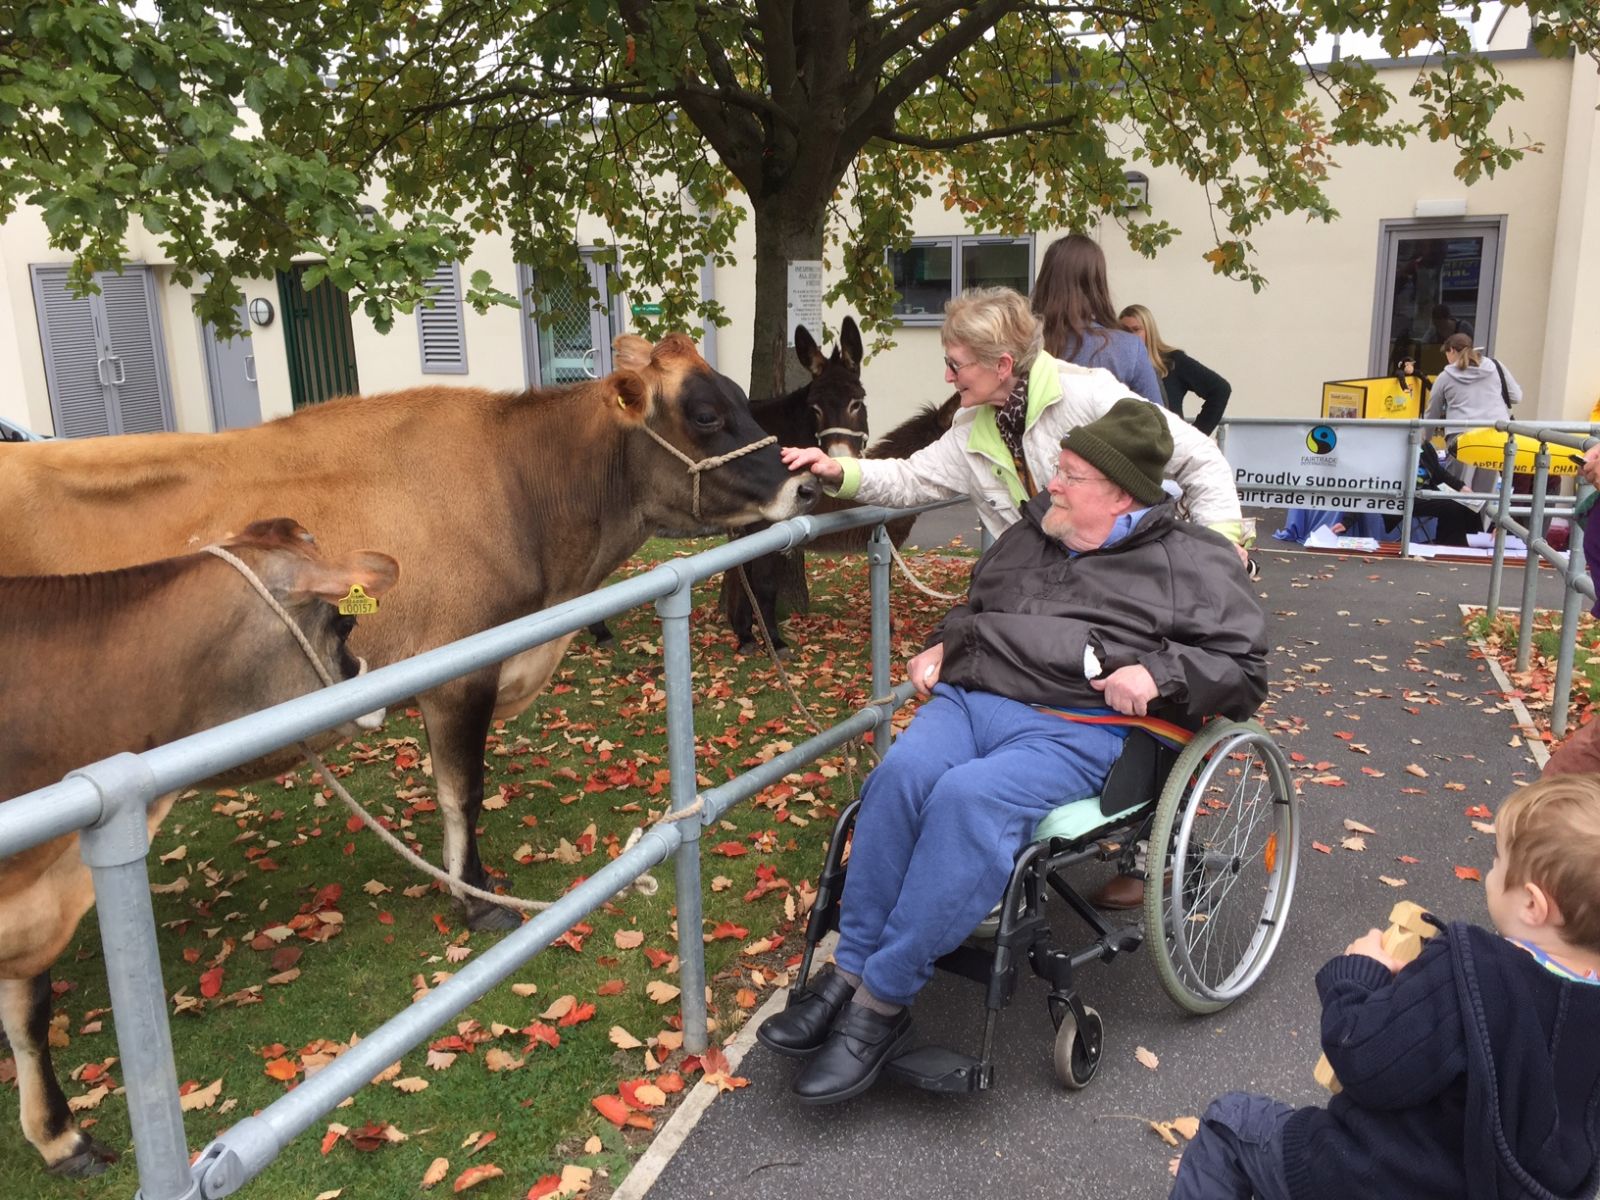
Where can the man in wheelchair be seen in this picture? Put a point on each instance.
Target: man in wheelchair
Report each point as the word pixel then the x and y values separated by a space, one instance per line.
pixel 1096 614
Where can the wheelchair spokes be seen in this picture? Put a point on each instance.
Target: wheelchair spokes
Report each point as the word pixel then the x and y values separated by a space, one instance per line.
pixel 1226 829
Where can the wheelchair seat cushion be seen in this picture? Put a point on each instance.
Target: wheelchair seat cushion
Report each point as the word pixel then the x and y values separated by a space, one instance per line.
pixel 1074 822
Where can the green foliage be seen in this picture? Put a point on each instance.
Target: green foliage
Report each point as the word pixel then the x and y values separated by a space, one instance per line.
pixel 242 136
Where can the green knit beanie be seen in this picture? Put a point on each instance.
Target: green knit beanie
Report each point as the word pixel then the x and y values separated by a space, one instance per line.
pixel 1130 445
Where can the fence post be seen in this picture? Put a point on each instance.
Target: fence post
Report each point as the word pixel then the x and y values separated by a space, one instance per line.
pixel 1409 503
pixel 1530 565
pixel 114 850
pixel 1502 513
pixel 878 555
pixel 674 612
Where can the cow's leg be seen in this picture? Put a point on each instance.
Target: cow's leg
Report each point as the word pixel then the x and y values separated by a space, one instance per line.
pixel 46 1120
pixel 766 578
pixel 457 719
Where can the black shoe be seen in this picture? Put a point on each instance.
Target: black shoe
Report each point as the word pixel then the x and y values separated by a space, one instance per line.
pixel 800 1029
pixel 858 1046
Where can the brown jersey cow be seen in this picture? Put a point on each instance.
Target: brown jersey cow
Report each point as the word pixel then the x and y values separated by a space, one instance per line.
pixel 95 665
pixel 499 504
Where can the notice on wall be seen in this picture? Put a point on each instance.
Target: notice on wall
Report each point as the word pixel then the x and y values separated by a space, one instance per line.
pixel 1321 466
pixel 805 298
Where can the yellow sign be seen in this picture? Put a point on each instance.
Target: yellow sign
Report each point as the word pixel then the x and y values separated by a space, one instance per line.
pixel 1384 397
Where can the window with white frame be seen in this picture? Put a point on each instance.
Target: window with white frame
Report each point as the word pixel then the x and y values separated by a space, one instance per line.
pixel 932 270
pixel 440 329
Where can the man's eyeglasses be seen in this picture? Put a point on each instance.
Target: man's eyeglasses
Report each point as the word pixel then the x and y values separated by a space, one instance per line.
pixel 956 368
pixel 1077 480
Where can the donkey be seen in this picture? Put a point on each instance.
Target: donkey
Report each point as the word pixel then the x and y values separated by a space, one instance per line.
pixel 831 412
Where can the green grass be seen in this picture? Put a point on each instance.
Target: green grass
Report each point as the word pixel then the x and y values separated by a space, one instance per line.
pixel 1535 686
pixel 255 860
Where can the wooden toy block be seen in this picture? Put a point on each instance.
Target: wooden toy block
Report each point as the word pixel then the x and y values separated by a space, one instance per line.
pixel 1408 929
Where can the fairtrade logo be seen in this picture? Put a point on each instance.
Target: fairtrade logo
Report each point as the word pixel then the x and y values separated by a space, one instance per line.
pixel 1321 439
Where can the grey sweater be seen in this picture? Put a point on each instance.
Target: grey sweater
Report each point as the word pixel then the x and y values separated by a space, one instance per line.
pixel 1472 393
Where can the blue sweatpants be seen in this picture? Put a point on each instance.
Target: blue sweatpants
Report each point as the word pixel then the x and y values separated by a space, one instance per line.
pixel 942 819
pixel 1238 1153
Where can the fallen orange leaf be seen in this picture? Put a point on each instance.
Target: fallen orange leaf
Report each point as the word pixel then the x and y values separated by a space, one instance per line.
pixel 473 1176
pixel 1470 874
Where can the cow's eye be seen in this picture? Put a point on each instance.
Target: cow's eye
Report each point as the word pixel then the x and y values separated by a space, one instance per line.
pixel 343 626
pixel 707 418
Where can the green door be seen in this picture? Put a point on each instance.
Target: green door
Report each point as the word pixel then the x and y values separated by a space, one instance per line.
pixel 317 338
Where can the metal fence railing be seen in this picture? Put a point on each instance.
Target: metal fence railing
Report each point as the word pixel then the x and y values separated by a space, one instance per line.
pixel 1522 517
pixel 1570 563
pixel 107 802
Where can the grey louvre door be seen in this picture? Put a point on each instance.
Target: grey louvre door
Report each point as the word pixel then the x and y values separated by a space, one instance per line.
pixel 231 376
pixel 105 361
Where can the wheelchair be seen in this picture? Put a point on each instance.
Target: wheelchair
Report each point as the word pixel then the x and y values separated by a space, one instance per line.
pixel 1221 820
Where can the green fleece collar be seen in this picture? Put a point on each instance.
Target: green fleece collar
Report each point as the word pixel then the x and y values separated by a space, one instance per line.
pixel 1044 389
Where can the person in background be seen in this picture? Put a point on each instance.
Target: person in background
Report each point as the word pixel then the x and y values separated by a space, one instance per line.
pixel 1080 326
pixel 1472 1071
pixel 1472 387
pixel 1179 374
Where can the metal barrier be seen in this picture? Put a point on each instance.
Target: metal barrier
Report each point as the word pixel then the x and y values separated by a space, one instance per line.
pixel 107 801
pixel 1502 509
pixel 1574 570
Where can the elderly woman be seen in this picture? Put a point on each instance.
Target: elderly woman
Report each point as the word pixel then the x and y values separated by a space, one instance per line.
pixel 1017 403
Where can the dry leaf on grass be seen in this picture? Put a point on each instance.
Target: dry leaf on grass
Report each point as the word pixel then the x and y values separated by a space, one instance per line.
pixel 200 1097
pixel 437 1170
pixel 661 991
pixel 473 1176
pixel 622 1039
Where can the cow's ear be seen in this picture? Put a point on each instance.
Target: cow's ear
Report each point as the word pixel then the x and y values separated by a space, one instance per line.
pixel 332 579
pixel 630 392
pixel 850 344
pixel 630 352
pixel 675 346
pixel 808 352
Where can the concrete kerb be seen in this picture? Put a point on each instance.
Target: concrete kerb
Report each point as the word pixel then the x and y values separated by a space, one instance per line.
pixel 688 1114
pixel 1530 731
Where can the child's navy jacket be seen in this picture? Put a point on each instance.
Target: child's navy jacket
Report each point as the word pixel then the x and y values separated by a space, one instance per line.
pixel 1474 1072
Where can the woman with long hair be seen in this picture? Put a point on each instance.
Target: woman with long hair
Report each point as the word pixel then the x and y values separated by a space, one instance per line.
pixel 1472 387
pixel 1080 325
pixel 1179 374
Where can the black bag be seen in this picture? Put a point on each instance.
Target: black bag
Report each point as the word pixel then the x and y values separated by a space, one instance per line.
pixel 1505 388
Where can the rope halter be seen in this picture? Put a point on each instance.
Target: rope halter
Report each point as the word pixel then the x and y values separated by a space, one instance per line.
pixel 696 469
pixel 841 431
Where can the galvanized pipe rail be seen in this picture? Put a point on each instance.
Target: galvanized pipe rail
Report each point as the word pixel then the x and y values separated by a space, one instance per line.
pixel 1570 563
pixel 1418 428
pixel 107 802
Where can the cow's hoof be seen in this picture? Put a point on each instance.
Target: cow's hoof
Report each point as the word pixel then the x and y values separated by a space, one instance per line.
pixel 91 1159
pixel 748 648
pixel 484 917
pixel 783 653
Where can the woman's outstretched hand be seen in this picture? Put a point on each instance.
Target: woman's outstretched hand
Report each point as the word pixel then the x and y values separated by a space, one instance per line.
pixel 813 459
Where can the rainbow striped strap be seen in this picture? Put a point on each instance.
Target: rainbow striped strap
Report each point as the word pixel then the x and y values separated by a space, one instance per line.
pixel 1174 737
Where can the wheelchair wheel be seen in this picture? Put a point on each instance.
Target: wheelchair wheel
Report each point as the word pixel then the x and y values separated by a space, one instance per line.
pixel 1078 1050
pixel 1223 854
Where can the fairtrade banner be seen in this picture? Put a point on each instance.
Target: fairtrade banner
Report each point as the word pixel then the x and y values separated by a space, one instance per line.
pixel 1320 466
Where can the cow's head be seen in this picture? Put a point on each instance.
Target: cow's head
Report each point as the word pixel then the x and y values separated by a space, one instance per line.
pixel 674 399
pixel 310 588
pixel 838 401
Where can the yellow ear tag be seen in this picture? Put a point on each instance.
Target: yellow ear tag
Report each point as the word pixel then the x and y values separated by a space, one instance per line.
pixel 621 403
pixel 357 603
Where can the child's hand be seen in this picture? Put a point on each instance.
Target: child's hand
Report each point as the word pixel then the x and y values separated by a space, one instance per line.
pixel 1370 944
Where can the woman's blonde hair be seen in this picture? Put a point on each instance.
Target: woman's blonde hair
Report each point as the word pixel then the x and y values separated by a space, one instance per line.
pixel 1461 343
pixel 1154 346
pixel 994 321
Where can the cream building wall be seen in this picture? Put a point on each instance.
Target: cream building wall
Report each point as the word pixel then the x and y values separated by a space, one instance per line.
pixel 1314 321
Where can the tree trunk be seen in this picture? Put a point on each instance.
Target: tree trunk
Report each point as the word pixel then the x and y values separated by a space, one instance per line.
pixel 783 235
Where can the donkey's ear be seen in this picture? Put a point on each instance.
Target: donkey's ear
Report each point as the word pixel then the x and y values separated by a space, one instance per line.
pixel 807 351
pixel 850 344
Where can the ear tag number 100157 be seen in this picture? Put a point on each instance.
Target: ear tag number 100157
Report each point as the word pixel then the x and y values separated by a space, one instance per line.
pixel 357 603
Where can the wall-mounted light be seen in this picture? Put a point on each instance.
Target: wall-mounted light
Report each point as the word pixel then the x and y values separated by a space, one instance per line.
pixel 261 311
pixel 1139 188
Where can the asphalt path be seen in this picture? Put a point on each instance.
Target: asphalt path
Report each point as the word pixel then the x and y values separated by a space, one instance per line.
pixel 1368 648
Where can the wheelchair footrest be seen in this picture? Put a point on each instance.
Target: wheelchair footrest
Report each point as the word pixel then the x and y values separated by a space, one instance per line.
pixel 937 1069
